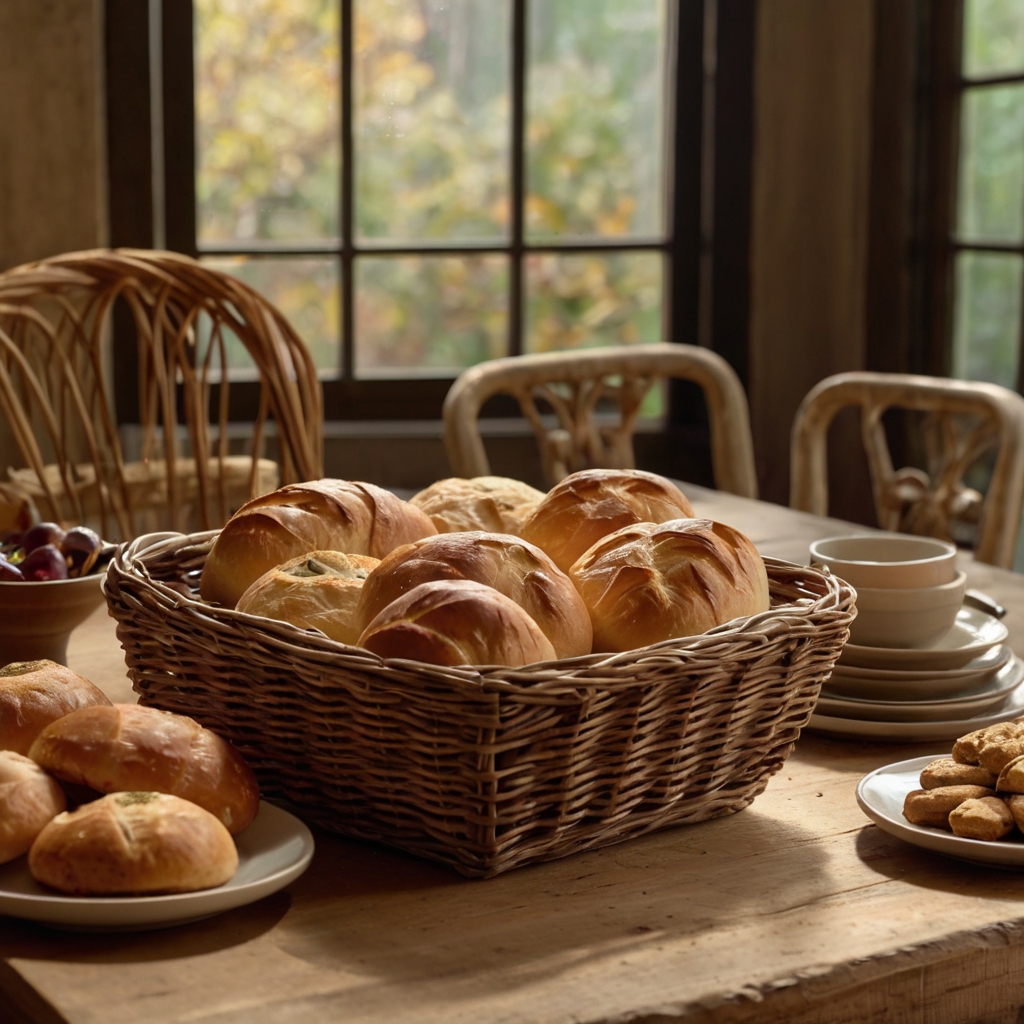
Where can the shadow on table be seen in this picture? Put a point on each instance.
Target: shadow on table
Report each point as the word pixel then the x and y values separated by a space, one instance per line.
pixel 32 941
pixel 892 857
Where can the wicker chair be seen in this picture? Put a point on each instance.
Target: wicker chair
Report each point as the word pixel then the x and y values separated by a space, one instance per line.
pixel 56 391
pixel 575 384
pixel 963 421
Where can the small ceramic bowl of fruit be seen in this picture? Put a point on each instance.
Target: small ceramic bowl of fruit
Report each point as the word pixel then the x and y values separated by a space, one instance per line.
pixel 50 582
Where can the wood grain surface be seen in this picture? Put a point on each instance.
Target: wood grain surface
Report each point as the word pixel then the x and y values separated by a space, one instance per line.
pixel 797 909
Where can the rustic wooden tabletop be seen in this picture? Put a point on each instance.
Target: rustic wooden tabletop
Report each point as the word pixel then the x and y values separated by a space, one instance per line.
pixel 798 909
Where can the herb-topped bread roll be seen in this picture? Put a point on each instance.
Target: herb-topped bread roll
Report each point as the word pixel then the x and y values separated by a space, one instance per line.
pixel 323 515
pixel 35 693
pixel 318 590
pixel 457 622
pixel 589 505
pixel 652 582
pixel 129 747
pixel 510 565
pixel 494 504
pixel 29 799
pixel 139 842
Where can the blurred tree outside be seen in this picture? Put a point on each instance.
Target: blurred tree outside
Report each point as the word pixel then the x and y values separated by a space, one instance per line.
pixel 432 130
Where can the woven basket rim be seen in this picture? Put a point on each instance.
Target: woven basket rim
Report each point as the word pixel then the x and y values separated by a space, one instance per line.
pixel 130 561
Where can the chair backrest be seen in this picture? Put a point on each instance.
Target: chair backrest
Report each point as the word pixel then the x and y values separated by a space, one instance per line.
pixel 574 384
pixel 964 420
pixel 56 387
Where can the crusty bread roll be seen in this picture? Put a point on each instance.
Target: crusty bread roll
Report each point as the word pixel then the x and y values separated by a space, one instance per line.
pixel 318 590
pixel 457 622
pixel 133 843
pixel 29 798
pixel 35 693
pixel 128 747
pixel 323 515
pixel 651 582
pixel 517 569
pixel 589 505
pixel 494 504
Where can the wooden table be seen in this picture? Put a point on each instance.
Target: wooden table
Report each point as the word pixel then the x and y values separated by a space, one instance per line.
pixel 797 909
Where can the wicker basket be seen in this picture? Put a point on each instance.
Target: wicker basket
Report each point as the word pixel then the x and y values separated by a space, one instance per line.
pixel 484 769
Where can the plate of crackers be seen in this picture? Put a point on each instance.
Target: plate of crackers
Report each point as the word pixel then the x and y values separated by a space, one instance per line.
pixel 967 804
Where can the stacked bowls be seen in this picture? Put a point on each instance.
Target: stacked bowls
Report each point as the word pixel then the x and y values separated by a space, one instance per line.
pixel 919 665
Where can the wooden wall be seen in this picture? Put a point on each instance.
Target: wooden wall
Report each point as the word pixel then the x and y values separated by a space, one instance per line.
pixel 809 236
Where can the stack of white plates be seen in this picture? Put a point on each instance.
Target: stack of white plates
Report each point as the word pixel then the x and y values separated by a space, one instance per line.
pixel 968 680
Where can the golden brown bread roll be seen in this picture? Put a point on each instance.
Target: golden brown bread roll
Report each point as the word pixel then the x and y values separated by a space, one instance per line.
pixel 494 504
pixel 29 798
pixel 322 515
pixel 993 747
pixel 133 843
pixel 513 567
pixel 457 622
pixel 128 747
pixel 589 505
pixel 318 590
pixel 654 581
pixel 35 693
pixel 947 772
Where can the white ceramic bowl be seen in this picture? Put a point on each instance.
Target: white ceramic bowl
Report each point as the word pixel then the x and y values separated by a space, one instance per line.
pixel 906 617
pixel 887 560
pixel 36 619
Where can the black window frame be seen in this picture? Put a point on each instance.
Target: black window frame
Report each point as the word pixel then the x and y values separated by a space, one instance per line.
pixel 706 248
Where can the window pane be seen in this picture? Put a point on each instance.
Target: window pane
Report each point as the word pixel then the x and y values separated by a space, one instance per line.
pixel 432 119
pixel 992 164
pixel 267 128
pixel 987 322
pixel 586 300
pixel 596 88
pixel 993 37
pixel 306 291
pixel 429 314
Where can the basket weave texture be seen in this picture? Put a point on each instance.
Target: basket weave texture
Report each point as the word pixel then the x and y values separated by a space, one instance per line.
pixel 484 769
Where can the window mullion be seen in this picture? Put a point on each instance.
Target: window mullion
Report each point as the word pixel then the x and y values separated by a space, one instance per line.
pixel 517 178
pixel 347 198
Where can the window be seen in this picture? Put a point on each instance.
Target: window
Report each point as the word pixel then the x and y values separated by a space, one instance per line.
pixel 421 184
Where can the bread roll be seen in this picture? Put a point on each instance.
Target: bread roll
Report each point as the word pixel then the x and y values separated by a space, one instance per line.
pixel 35 693
pixel 129 747
pixel 494 504
pixel 651 582
pixel 513 567
pixel 133 843
pixel 457 622
pixel 29 798
pixel 323 515
pixel 589 505
pixel 318 590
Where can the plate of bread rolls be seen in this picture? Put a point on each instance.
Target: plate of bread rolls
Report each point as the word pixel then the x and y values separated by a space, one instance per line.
pixel 121 816
pixel 486 674
pixel 967 803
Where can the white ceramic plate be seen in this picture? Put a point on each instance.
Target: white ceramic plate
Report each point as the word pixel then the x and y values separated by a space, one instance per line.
pixel 273 851
pixel 881 794
pixel 886 684
pixel 917 732
pixel 992 694
pixel 973 633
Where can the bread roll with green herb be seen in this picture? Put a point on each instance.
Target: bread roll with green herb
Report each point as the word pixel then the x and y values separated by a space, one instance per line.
pixel 136 842
pixel 318 590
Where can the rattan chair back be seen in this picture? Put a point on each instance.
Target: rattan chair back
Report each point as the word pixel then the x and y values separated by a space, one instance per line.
pixel 963 421
pixel 57 391
pixel 576 385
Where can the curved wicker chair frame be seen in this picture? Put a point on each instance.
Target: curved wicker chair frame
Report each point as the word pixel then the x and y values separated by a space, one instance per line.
pixel 573 384
pixel 964 420
pixel 56 390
